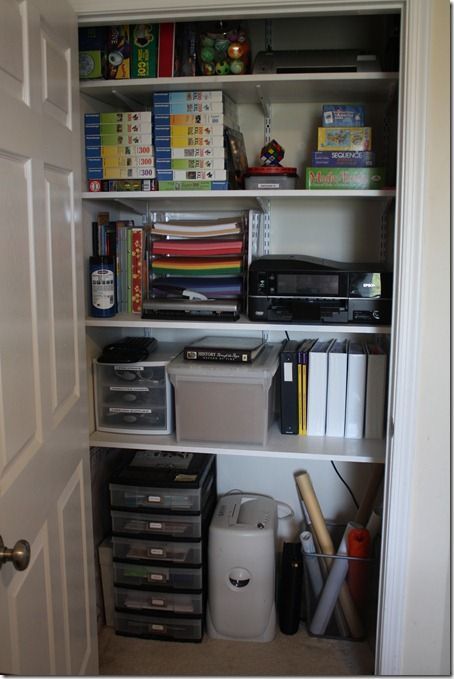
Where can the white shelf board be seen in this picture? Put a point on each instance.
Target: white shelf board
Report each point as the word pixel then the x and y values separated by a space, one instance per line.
pixel 124 320
pixel 244 198
pixel 252 89
pixel 278 446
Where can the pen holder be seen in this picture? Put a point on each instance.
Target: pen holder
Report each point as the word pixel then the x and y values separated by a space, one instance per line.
pixel 339 590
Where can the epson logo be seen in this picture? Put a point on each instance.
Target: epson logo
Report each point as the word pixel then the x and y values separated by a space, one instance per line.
pixel 368 285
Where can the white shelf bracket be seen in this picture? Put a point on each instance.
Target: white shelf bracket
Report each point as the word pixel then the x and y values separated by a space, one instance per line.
pixel 133 104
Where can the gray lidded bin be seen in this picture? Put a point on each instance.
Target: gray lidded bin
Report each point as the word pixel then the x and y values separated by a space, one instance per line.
pixel 225 402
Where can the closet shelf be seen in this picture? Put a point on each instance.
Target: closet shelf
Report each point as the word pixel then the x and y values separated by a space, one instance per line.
pixel 288 88
pixel 278 446
pixel 125 320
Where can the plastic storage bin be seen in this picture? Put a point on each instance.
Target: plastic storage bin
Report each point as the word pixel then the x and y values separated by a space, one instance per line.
pixel 172 525
pixel 170 602
pixel 180 488
pixel 157 550
pixel 157 576
pixel 271 177
pixel 222 402
pixel 135 397
pixel 158 627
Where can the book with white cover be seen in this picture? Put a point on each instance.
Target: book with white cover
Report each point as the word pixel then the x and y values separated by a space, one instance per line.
pixel 356 390
pixel 337 389
pixel 317 387
pixel 377 365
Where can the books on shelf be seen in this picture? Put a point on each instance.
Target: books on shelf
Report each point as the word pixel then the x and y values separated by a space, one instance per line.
pixel 224 349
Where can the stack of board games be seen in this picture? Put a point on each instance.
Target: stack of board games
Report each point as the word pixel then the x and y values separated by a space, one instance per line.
pixel 188 129
pixel 118 52
pixel 344 158
pixel 119 151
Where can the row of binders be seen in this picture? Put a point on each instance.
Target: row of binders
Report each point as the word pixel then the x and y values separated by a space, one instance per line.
pixel 332 387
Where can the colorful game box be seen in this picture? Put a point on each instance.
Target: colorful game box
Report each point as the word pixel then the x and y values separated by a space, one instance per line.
pixel 344 139
pixel 345 177
pixel 342 115
pixel 144 42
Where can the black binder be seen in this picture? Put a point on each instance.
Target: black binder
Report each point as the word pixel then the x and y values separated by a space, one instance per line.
pixel 289 387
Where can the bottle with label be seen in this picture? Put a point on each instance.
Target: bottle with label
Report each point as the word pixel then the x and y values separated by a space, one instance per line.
pixel 102 286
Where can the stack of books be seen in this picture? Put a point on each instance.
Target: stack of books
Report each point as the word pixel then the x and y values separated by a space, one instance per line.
pixel 123 240
pixel 344 158
pixel 189 139
pixel 118 149
pixel 333 387
pixel 198 259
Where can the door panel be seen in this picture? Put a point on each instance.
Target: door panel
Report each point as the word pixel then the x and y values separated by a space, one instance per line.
pixel 48 621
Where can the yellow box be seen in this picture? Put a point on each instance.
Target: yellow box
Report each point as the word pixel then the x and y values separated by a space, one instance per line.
pixel 344 139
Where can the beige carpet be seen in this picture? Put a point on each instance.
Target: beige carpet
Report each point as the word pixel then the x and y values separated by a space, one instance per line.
pixel 287 655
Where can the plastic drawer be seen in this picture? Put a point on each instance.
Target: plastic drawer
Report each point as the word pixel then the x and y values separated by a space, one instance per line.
pixel 175 499
pixel 132 396
pixel 158 627
pixel 178 526
pixel 145 419
pixel 170 602
pixel 157 576
pixel 157 550
pixel 130 374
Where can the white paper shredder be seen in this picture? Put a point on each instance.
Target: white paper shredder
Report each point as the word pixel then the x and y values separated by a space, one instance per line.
pixel 241 568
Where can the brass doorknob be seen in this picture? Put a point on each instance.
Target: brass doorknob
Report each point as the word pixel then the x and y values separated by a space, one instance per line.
pixel 19 555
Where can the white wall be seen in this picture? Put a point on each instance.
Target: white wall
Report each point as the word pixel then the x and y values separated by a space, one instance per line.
pixel 426 649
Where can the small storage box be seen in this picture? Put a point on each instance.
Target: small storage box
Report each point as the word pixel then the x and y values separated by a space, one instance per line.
pixel 157 576
pixel 270 177
pixel 135 397
pixel 170 602
pixel 157 550
pixel 183 485
pixel 158 627
pixel 224 402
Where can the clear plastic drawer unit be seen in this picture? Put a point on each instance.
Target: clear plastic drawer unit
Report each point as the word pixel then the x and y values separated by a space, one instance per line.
pixel 135 397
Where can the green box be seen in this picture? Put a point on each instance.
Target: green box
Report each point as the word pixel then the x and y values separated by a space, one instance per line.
pixel 144 41
pixel 345 177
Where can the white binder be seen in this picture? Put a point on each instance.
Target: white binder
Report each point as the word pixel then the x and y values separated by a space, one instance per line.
pixel 317 387
pixel 337 389
pixel 356 390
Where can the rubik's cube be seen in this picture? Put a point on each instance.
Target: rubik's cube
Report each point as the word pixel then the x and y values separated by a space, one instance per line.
pixel 272 153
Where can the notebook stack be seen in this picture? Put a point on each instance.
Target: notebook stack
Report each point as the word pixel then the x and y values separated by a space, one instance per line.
pixel 189 139
pixel 119 148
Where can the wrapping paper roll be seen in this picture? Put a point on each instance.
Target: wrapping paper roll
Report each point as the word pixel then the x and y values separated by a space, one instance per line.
pixel 312 563
pixel 358 545
pixel 367 503
pixel 317 568
pixel 332 589
pixel 312 505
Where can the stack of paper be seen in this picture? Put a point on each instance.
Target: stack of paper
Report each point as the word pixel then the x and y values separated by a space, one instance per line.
pixel 196 258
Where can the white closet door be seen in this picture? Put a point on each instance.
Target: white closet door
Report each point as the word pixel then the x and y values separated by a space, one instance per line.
pixel 47 621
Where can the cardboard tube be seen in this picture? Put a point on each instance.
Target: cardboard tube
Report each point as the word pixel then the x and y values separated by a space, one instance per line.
pixel 310 500
pixel 367 503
